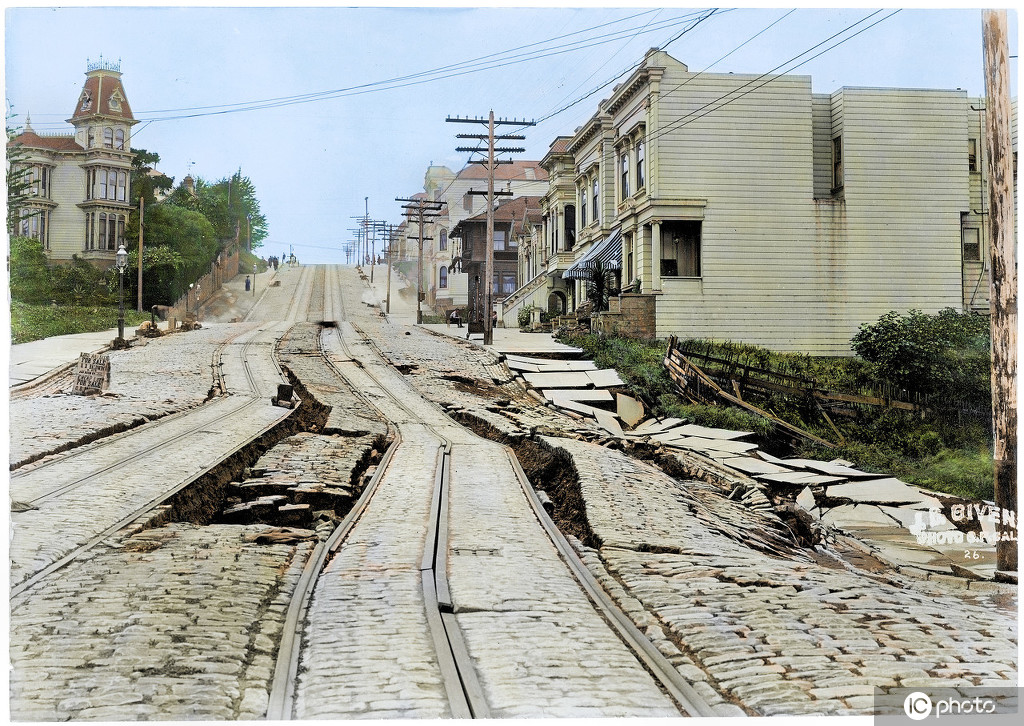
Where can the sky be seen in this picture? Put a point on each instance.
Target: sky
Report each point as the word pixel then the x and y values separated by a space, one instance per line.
pixel 313 164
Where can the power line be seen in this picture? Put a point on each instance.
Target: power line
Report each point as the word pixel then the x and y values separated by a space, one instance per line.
pixel 706 108
pixel 498 60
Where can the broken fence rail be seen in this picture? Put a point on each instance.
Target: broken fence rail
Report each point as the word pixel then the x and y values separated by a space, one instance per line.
pixel 696 385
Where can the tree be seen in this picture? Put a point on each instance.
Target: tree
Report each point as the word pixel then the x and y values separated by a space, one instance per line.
pixel 600 285
pixel 19 185
pixel 30 276
pixel 231 206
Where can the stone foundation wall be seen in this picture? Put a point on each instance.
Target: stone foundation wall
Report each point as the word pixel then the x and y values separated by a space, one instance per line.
pixel 629 315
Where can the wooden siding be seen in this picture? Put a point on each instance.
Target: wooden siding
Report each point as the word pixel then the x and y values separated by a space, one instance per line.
pixel 821 120
pixel 785 263
pixel 67 222
pixel 906 184
pixel 752 161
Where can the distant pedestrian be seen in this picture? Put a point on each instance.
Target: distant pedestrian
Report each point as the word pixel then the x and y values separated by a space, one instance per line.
pixel 456 318
pixel 494 319
pixel 248 283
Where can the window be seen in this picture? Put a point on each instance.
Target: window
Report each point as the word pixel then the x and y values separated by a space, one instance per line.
pixel 569 217
pixel 103 231
pixel 35 223
pixel 508 283
pixel 102 189
pixel 122 182
pixel 972 155
pixel 119 139
pixel 92 138
pixel 625 174
pixel 108 138
pixel 442 243
pixel 639 165
pixel 680 249
pixel 837 162
pixel 583 206
pixel 88 230
pixel 442 277
pixel 597 203
pixel 972 244
pixel 499 240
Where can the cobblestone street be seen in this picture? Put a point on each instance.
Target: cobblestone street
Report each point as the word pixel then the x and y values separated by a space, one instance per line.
pixel 174 610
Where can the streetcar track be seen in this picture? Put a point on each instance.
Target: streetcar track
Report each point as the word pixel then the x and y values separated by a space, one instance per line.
pixel 251 398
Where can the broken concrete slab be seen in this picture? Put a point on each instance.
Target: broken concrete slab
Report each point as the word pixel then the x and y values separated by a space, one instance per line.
pixel 653 426
pixel 858 516
pixel 798 478
pixel 886 491
pixel 916 520
pixel 752 465
pixel 806 499
pixel 702 444
pixel 710 433
pixel 570 405
pixel 516 365
pixel 629 409
pixel 828 467
pixel 559 380
pixel 578 394
pixel 605 378
pixel 607 421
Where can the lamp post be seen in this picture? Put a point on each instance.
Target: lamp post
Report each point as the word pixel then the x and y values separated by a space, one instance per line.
pixel 198 286
pixel 254 279
pixel 121 262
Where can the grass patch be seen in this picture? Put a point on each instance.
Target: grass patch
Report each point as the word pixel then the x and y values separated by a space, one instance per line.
pixel 35 322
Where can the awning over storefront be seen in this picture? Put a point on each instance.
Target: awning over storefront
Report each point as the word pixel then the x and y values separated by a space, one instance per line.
pixel 608 251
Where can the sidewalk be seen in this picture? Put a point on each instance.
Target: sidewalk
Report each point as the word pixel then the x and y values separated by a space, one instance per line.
pixel 506 340
pixel 29 361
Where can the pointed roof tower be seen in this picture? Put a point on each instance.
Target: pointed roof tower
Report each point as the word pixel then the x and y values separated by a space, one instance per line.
pixel 103 96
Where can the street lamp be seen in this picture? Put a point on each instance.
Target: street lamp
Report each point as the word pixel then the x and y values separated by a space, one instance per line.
pixel 198 286
pixel 121 263
pixel 254 279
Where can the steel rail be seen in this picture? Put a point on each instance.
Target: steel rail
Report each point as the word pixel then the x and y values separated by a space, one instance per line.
pixel 155 426
pixel 218 380
pixel 461 684
pixel 652 659
pixel 137 512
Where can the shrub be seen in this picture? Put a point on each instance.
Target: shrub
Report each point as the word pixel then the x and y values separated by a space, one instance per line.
pixel 523 318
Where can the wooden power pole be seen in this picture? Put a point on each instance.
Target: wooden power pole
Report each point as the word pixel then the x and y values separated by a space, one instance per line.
pixel 491 163
pixel 425 210
pixel 1003 283
pixel 142 216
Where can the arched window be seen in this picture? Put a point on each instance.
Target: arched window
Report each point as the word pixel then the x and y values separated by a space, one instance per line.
pixel 92 137
pixel 119 139
pixel 111 184
pixel 442 277
pixel 443 240
pixel 108 137
pixel 122 181
pixel 639 165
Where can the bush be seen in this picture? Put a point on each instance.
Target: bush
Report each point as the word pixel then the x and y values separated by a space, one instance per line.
pixel 945 353
pixel 30 275
pixel 34 322
pixel 523 318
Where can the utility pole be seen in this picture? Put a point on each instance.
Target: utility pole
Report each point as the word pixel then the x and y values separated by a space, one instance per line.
pixel 142 218
pixel 491 163
pixel 391 242
pixel 425 210
pixel 1003 282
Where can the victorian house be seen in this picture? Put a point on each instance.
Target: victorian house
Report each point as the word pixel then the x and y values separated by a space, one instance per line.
pixel 748 208
pixel 80 181
pixel 461 195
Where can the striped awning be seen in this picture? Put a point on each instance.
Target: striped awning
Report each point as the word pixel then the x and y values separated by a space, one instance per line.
pixel 608 251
